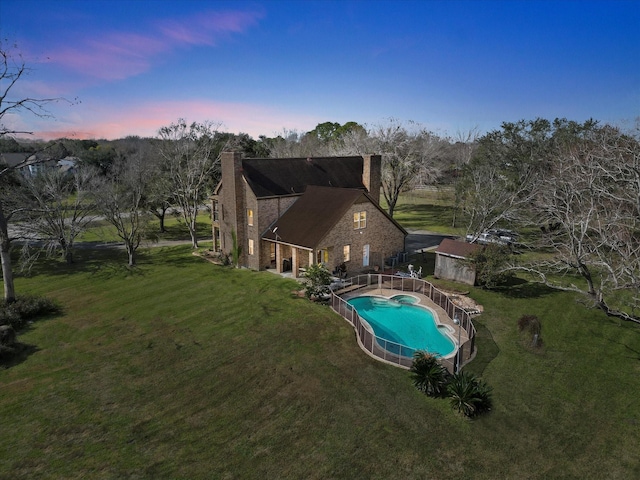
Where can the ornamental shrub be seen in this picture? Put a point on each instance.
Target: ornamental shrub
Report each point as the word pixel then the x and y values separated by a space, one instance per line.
pixel 531 325
pixel 491 263
pixel 26 308
pixel 469 395
pixel 318 279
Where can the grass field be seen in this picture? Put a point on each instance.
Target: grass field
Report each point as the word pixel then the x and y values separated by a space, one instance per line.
pixel 428 210
pixel 101 231
pixel 179 368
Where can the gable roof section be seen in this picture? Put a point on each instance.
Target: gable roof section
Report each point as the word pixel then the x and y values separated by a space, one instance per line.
pixel 270 177
pixel 455 248
pixel 315 213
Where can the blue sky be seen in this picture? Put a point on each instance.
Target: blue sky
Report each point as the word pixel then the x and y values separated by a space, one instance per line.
pixel 265 66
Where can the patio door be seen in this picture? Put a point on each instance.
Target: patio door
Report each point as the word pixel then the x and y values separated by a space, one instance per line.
pixel 365 255
pixel 322 256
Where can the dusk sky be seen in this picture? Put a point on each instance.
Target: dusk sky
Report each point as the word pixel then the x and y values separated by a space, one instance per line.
pixel 265 66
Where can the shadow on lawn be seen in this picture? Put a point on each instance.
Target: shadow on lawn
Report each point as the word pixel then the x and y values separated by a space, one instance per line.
pixel 611 334
pixel 112 261
pixel 519 288
pixel 22 352
pixel 487 349
pixel 178 232
pixel 107 260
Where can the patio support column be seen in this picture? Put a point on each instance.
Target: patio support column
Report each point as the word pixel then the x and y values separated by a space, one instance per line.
pixel 278 258
pixel 294 262
pixel 311 262
pixel 216 234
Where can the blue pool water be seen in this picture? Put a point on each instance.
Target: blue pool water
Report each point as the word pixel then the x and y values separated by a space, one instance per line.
pixel 397 320
pixel 405 298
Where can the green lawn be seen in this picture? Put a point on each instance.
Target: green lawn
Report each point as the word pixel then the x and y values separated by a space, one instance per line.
pixel 428 210
pixel 183 369
pixel 175 229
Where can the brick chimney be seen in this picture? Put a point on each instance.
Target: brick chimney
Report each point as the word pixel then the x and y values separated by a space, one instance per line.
pixel 233 199
pixel 372 175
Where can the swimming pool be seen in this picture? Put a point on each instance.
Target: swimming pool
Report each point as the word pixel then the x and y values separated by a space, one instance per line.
pixel 411 326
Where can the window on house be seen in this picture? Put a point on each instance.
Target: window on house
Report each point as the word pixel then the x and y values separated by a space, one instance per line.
pixel 346 253
pixel 359 220
pixel 249 217
pixel 250 246
pixel 216 212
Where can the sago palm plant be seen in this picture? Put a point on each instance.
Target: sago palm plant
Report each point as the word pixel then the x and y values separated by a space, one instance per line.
pixel 469 395
pixel 429 376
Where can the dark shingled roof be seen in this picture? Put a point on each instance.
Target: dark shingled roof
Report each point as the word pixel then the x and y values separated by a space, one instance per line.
pixel 456 248
pixel 13 159
pixel 313 215
pixel 270 177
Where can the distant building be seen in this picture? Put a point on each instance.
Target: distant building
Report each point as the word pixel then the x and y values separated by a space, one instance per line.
pixel 14 159
pixel 30 164
pixel 68 164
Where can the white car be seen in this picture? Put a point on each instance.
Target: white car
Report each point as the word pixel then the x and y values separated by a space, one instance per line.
pixel 500 237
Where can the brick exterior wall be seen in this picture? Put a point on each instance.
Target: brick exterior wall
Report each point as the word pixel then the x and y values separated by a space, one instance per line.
pixel 381 234
pixel 268 211
pixel 252 231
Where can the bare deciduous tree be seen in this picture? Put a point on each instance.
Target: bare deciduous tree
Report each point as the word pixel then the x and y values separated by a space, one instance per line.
pixel 293 144
pixel 465 143
pixel 405 154
pixel 488 198
pixel 192 157
pixel 119 197
pixel 12 70
pixel 9 182
pixel 59 207
pixel 497 185
pixel 409 156
pixel 354 142
pixel 591 196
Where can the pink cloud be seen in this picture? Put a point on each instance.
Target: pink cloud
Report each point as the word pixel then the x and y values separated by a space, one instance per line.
pixel 120 55
pixel 204 29
pixel 114 57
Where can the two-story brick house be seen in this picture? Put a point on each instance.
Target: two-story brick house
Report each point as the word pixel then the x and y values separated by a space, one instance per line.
pixel 289 213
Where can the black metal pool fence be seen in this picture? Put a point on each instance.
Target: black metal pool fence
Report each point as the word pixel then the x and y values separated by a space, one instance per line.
pixel 391 352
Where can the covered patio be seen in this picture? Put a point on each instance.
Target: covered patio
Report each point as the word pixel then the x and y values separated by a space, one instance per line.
pixel 291 260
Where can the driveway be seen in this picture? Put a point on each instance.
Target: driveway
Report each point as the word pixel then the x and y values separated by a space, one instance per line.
pixel 420 240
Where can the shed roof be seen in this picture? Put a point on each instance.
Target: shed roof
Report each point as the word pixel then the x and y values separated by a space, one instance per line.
pixel 269 177
pixel 456 248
